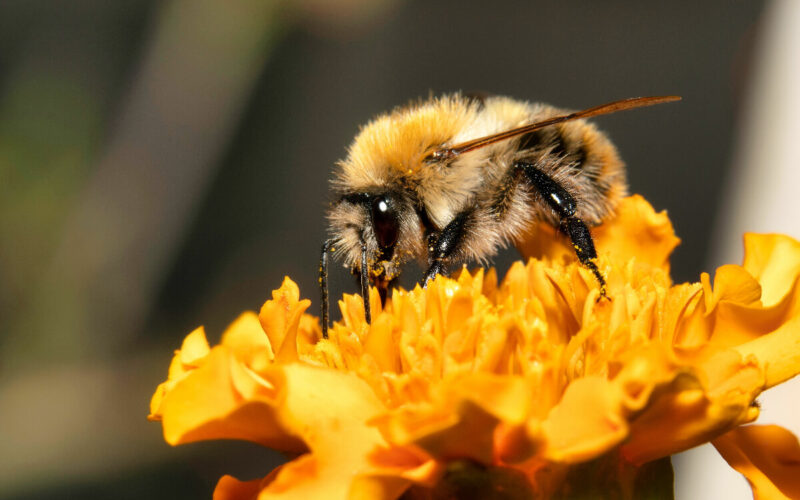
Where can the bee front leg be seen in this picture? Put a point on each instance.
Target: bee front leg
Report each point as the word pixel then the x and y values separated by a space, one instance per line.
pixel 443 245
pixel 363 280
pixel 364 272
pixel 565 206
pixel 323 285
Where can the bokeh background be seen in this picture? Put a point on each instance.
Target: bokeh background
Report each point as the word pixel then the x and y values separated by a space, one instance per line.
pixel 163 164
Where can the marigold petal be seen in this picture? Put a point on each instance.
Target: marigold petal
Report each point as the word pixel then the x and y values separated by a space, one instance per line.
pixel 194 348
pixel 407 462
pixel 651 242
pixel 297 479
pixel 246 339
pixel 465 419
pixel 280 317
pixel 155 402
pixel 773 260
pixel 230 488
pixel 684 413
pixel 767 455
pixel 586 423
pixel 490 346
pixel 731 284
pixel 736 319
pixel 327 409
pixel 192 353
pixel 477 404
pixel 779 352
pixel 205 405
pixel 645 370
pixel 380 344
pixel 371 487
pixel 288 351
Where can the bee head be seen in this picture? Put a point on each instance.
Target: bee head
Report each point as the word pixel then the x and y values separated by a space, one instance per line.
pixel 384 222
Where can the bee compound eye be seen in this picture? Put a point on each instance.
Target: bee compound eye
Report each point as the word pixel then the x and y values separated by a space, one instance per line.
pixel 385 222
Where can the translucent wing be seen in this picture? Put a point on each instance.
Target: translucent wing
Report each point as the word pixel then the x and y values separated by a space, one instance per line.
pixel 603 109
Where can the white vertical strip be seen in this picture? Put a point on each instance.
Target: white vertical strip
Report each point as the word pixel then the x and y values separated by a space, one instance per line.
pixel 763 196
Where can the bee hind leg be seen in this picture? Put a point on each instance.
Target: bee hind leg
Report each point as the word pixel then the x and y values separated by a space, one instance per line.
pixel 564 204
pixel 584 247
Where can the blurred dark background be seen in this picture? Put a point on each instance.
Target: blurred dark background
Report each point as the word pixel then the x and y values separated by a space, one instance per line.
pixel 165 164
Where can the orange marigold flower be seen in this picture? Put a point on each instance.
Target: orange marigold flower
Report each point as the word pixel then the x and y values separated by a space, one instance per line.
pixel 535 387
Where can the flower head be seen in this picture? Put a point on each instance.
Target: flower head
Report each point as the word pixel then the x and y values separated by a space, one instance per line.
pixel 521 383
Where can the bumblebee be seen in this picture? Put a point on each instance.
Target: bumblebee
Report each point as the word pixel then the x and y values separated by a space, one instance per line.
pixel 454 178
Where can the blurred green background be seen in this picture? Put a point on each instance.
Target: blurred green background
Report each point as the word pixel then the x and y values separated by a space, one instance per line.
pixel 164 164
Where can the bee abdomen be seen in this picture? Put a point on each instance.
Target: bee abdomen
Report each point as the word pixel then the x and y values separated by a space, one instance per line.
pixel 580 157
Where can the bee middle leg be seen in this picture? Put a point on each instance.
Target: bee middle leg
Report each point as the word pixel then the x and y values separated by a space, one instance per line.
pixel 442 245
pixel 565 206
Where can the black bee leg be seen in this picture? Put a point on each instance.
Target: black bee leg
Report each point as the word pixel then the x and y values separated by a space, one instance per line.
pixel 443 245
pixel 323 285
pixel 564 205
pixel 435 269
pixel 365 283
pixel 584 247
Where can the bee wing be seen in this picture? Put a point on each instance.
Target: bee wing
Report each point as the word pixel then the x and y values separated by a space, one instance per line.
pixel 603 109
